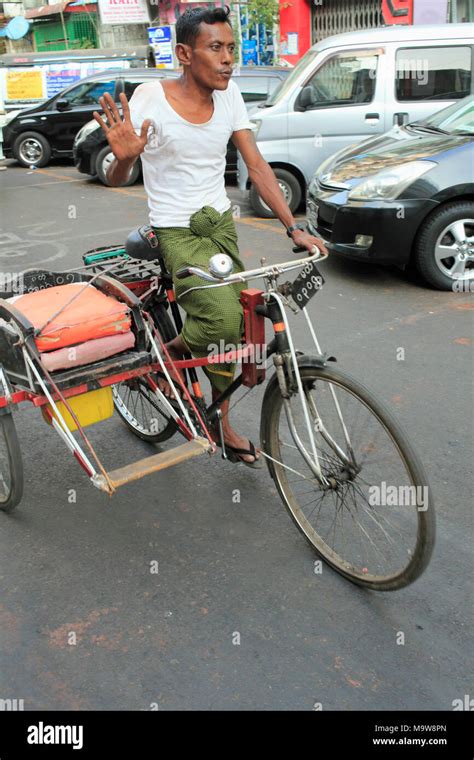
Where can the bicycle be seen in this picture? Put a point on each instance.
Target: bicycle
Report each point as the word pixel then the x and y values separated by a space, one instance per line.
pixel 331 446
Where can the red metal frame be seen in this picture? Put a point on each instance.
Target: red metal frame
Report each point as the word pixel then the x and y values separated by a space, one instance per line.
pixel 253 330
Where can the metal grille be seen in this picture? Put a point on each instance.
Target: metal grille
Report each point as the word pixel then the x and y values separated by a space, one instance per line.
pixel 49 35
pixel 81 29
pixel 338 16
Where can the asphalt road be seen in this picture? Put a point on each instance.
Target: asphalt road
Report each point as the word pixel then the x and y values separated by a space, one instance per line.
pixel 86 625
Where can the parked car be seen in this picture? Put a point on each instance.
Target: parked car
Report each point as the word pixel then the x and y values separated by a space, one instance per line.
pixel 407 196
pixel 93 156
pixel 53 69
pixel 36 134
pixel 352 86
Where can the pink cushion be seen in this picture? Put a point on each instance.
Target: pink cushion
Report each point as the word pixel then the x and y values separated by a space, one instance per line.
pixel 87 352
pixel 85 313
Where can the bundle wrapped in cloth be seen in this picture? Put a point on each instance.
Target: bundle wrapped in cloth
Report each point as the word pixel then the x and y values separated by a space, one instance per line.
pixel 78 324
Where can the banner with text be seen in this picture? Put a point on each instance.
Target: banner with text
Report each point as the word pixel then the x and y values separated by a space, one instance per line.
pixel 123 12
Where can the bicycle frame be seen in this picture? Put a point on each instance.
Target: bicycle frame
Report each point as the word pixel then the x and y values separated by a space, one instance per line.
pixel 147 292
pixel 321 455
pixel 284 354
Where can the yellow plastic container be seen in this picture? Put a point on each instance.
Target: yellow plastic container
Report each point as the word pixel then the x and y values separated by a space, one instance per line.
pixel 89 408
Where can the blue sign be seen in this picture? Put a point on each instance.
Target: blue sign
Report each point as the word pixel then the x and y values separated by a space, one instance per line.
pixel 249 52
pixel 57 82
pixel 160 39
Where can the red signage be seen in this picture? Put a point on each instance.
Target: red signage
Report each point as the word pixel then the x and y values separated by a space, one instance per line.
pixel 397 11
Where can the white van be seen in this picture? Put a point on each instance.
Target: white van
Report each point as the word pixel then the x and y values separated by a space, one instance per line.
pixel 353 86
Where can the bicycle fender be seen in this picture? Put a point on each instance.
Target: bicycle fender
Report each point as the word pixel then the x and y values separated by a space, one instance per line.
pixel 303 360
pixel 315 360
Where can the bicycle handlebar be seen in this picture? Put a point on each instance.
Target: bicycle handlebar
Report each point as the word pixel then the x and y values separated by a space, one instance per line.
pixel 249 274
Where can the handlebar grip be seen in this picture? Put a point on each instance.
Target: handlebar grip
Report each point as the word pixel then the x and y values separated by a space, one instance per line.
pixel 299 249
pixel 182 273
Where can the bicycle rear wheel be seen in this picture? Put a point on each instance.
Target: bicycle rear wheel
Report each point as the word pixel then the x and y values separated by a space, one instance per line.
pixel 375 521
pixel 137 404
pixel 11 465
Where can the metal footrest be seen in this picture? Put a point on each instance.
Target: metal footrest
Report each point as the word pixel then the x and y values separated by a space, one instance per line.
pixel 146 466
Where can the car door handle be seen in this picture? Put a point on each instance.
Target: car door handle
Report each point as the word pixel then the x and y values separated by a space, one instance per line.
pixel 375 116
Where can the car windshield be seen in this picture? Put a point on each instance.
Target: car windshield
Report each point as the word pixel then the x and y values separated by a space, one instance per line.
pixel 287 83
pixel 455 119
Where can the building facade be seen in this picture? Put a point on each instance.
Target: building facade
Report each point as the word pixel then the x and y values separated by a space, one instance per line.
pixel 73 24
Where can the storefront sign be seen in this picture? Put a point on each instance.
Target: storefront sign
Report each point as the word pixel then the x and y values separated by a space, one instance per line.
pixel 249 52
pixel 161 40
pixel 24 85
pixel 58 77
pixel 397 11
pixel 123 12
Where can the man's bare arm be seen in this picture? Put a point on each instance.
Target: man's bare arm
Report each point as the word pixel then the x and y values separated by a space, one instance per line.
pixel 126 145
pixel 261 175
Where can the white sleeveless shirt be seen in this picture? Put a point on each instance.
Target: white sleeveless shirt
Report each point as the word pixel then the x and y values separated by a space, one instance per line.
pixel 184 163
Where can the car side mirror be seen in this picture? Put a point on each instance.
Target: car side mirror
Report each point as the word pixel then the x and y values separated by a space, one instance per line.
pixel 62 104
pixel 306 98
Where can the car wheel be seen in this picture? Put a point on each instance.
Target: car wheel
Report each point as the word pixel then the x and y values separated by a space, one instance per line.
pixel 32 149
pixel 103 161
pixel 289 186
pixel 444 250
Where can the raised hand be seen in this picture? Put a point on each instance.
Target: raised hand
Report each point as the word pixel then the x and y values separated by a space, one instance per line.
pixel 126 145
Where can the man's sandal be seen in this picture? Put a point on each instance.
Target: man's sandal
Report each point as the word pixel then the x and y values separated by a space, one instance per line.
pixel 235 455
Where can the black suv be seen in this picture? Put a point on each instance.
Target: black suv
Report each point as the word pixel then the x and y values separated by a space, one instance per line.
pixel 91 151
pixel 36 134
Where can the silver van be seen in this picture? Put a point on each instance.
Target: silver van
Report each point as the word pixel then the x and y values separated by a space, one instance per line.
pixel 352 86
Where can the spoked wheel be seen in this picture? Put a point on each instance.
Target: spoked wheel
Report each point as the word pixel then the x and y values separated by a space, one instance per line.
pixel 374 520
pixel 142 411
pixel 11 465
pixel 139 407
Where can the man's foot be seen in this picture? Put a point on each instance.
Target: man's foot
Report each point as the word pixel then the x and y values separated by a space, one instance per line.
pixel 165 387
pixel 240 447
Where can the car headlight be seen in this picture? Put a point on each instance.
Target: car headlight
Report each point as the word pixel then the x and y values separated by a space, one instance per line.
pixel 91 126
pixel 256 123
pixel 9 117
pixel 388 184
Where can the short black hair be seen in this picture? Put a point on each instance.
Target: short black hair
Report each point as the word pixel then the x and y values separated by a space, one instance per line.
pixel 187 26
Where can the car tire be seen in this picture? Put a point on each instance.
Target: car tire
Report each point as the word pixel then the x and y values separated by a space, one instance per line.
pixel 102 162
pixel 32 149
pixel 291 190
pixel 436 238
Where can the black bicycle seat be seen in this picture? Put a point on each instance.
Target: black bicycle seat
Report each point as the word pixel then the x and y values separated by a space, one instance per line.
pixel 143 243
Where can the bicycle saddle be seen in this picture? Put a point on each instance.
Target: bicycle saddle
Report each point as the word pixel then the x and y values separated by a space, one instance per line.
pixel 143 243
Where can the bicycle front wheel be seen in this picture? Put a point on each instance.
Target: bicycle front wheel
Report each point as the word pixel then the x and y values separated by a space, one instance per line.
pixel 372 519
